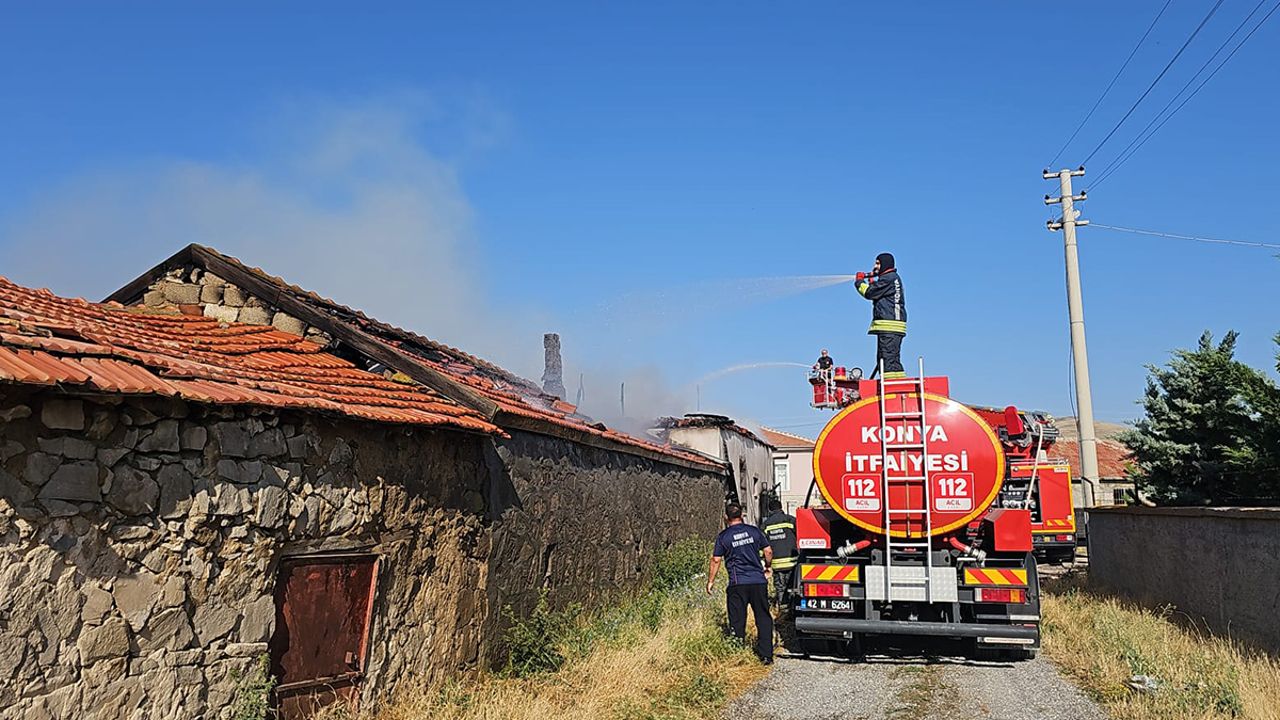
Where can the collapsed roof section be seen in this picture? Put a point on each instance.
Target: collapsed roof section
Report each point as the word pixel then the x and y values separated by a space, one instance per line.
pixel 502 397
pixel 708 420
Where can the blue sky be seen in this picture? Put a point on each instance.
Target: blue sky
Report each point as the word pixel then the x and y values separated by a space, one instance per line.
pixel 485 173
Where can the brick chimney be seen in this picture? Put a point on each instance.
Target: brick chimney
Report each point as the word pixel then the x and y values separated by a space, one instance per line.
pixel 553 369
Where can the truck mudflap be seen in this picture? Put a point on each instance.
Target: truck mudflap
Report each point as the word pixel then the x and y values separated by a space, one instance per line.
pixel 840 626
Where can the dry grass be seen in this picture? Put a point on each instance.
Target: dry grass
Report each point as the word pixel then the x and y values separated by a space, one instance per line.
pixel 1102 643
pixel 625 664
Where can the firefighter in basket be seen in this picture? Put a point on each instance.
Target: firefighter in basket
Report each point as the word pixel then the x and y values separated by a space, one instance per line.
pixel 883 288
pixel 825 362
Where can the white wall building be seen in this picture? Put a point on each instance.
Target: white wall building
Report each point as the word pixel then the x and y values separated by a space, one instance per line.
pixel 748 456
pixel 792 467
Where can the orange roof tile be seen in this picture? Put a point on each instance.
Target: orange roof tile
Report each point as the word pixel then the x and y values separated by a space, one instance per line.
pixel 780 439
pixel 51 340
pixel 1113 457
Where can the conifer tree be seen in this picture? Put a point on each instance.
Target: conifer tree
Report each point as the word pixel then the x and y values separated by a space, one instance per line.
pixel 1211 430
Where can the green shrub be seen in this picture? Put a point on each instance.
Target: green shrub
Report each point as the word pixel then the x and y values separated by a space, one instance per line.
pixel 544 640
pixel 252 700
pixel 533 643
pixel 676 566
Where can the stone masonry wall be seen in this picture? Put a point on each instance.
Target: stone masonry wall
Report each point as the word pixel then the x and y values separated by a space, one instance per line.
pixel 195 291
pixel 591 516
pixel 139 542
pixel 585 523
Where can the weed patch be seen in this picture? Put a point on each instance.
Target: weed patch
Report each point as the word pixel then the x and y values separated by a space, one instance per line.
pixel 252 700
pixel 659 655
pixel 1104 643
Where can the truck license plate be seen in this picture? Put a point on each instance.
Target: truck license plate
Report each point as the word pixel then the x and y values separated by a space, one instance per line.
pixel 845 605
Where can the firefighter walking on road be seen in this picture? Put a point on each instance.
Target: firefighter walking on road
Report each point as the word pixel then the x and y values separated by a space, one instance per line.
pixel 888 314
pixel 746 555
pixel 780 528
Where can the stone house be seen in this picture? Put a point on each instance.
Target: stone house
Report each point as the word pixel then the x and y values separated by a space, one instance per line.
pixel 748 458
pixel 182 496
pixel 792 467
pixel 551 463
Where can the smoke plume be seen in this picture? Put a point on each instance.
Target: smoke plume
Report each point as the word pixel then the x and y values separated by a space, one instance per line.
pixel 349 203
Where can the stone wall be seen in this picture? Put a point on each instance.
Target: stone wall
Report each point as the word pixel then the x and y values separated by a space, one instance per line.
pixel 583 524
pixel 1215 565
pixel 195 291
pixel 139 543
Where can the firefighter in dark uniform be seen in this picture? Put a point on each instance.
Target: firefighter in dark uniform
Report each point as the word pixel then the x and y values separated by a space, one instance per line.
pixel 746 555
pixel 888 313
pixel 780 528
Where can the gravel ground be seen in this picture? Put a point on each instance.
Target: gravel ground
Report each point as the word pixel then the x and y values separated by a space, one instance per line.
pixel 913 683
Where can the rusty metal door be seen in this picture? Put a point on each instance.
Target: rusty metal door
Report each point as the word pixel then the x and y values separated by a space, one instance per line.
pixel 324 609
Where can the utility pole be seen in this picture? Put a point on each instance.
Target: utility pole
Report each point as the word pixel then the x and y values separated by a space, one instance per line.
pixel 1075 310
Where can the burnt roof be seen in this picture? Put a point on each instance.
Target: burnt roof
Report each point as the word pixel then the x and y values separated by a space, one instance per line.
pixel 505 398
pixel 708 420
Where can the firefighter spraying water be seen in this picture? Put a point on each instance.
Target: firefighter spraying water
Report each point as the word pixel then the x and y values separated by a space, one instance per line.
pixel 883 287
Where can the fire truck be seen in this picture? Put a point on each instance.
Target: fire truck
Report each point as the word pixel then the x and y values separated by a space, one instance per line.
pixel 1035 479
pixel 924 517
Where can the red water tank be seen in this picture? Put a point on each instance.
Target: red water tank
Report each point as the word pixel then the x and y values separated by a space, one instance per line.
pixel 964 472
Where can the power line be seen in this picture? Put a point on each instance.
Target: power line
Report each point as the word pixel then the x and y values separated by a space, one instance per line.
pixel 1150 87
pixel 1110 84
pixel 1122 158
pixel 1157 233
pixel 1188 84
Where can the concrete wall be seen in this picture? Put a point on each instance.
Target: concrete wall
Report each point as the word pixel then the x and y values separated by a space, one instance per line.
pixel 1221 565
pixel 1104 492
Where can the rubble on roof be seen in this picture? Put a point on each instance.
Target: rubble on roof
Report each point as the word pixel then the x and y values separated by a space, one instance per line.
pixel 696 420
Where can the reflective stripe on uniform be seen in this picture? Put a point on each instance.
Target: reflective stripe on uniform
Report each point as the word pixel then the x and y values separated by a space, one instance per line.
pixel 893 326
pixel 894 375
pixel 780 526
pixel 785 563
pixel 862 286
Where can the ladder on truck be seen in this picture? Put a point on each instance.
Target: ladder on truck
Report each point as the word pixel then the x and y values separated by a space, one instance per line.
pixel 910 585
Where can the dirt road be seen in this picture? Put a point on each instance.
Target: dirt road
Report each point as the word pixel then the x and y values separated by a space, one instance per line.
pixel 913 683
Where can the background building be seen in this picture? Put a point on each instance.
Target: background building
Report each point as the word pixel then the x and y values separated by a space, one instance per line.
pixel 792 467
pixel 1114 485
pixel 748 458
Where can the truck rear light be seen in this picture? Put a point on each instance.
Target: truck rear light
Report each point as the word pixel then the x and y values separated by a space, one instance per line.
pixel 1066 538
pixel 824 590
pixel 1000 595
